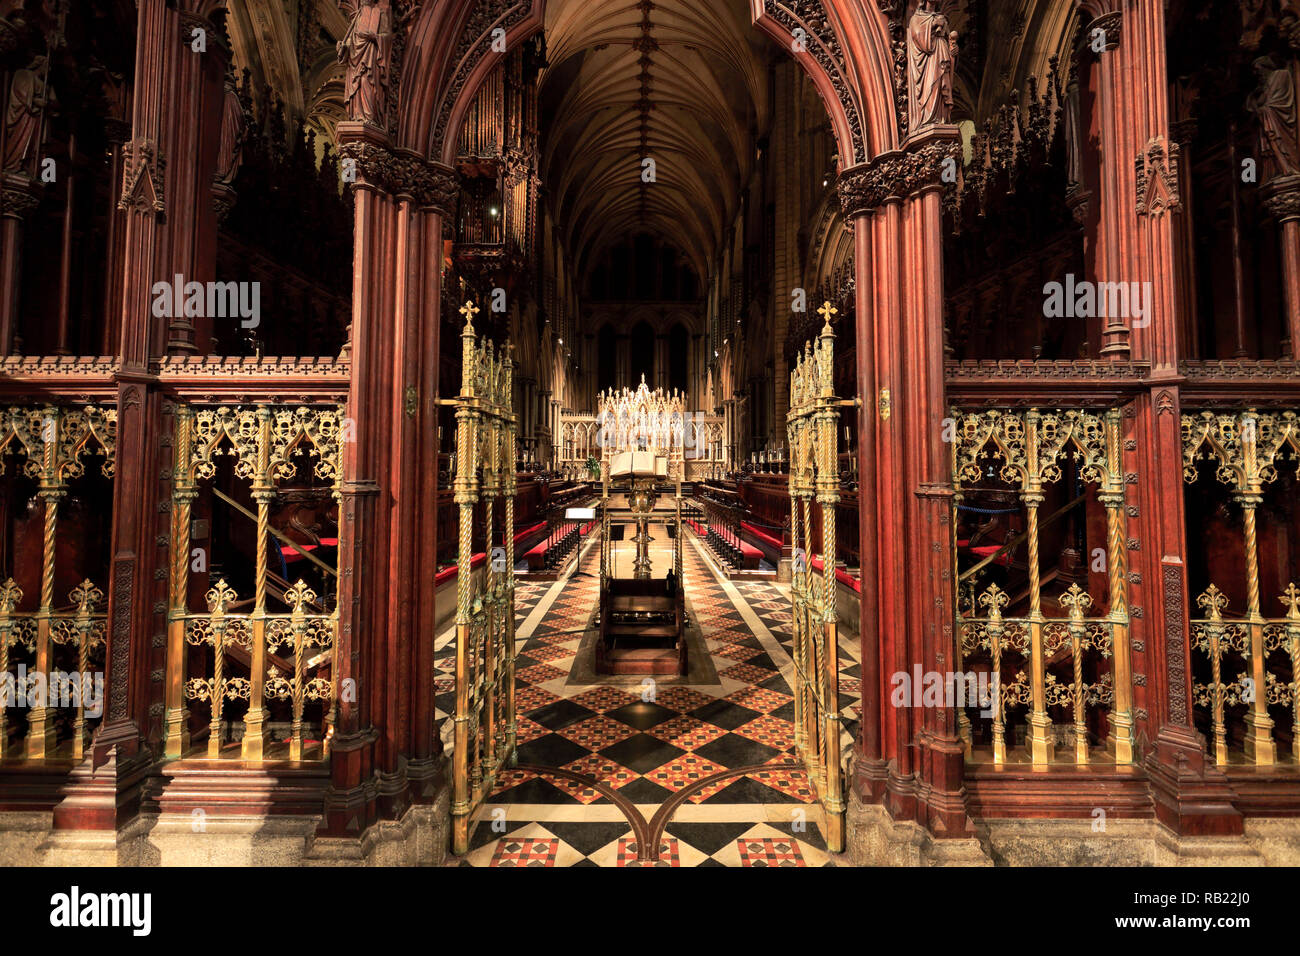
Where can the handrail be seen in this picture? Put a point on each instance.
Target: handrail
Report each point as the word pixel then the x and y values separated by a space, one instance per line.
pixel 278 536
pixel 1014 543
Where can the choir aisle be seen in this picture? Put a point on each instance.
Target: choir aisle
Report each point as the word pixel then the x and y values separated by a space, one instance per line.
pixel 700 766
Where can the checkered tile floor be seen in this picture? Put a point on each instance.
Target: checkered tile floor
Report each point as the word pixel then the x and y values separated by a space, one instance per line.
pixel 727 748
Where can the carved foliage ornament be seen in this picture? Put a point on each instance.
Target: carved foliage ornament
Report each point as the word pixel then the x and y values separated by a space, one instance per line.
pixel 897 174
pixel 473 45
pixel 1175 642
pixel 431 185
pixel 810 17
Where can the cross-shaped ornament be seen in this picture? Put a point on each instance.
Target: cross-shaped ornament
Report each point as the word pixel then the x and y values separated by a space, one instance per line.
pixel 826 311
pixel 1291 599
pixel 469 310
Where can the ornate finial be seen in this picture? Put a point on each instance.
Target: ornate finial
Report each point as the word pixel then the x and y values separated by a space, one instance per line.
pixel 826 311
pixel 1076 599
pixel 10 595
pixel 298 596
pixel 86 596
pixel 1291 599
pixel 1212 601
pixel 219 595
pixel 994 598
pixel 469 310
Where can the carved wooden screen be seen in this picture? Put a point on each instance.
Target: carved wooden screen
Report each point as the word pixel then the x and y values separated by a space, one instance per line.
pixel 484 730
pixel 814 482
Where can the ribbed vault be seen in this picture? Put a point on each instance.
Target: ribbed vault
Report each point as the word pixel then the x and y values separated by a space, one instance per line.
pixel 681 82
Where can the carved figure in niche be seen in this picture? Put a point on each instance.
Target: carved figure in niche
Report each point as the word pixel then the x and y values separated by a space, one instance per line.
pixel 365 51
pixel 931 59
pixel 1273 104
pixel 230 152
pixel 27 102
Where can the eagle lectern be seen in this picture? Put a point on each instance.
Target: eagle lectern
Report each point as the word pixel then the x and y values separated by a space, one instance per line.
pixel 642 621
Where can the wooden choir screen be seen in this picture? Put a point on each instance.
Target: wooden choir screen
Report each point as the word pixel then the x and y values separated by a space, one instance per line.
pixel 1056 667
pixel 1249 665
pixel 484 725
pixel 276 651
pixel 814 474
pixel 52 446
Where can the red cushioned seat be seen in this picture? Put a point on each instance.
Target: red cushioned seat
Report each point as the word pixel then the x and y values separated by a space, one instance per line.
pixel 984 550
pixel 294 553
pixel 449 572
pixel 841 575
pixel 762 536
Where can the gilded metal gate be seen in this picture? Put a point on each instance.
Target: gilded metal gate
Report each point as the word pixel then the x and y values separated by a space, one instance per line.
pixel 814 475
pixel 484 727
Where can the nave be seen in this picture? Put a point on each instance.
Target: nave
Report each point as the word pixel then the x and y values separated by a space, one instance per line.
pixel 703 765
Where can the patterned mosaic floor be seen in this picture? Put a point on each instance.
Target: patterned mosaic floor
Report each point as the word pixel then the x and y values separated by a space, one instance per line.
pixel 705 772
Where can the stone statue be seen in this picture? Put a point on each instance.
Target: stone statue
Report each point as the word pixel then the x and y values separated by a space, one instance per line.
pixel 27 102
pixel 1273 104
pixel 365 51
pixel 931 59
pixel 230 152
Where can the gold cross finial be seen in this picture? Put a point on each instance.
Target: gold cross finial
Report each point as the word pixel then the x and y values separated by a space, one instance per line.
pixel 469 310
pixel 826 311
pixel 1291 598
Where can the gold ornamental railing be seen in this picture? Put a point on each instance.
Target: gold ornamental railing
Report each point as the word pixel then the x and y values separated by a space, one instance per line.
pixel 268 653
pixel 1253 660
pixel 306 639
pixel 484 723
pixel 811 427
pixel 52 443
pixel 1055 668
pixel 76 637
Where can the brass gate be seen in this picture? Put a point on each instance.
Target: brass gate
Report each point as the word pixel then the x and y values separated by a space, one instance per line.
pixel 814 475
pixel 484 728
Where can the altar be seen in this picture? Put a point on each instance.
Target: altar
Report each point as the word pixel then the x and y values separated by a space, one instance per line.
pixel 692 443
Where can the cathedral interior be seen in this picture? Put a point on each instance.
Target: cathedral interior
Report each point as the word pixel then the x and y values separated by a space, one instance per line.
pixel 650 432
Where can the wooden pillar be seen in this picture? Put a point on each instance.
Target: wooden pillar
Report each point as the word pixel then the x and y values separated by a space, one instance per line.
pixel 908 601
pixel 1282 200
pixel 1116 173
pixel 870 768
pixel 101 791
pixel 386 754
pixel 1189 794
pixel 21 196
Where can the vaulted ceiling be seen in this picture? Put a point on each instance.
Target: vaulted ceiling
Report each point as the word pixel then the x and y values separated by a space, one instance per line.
pixel 681 82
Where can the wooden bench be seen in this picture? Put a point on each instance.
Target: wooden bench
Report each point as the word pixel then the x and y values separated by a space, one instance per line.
pixel 641 629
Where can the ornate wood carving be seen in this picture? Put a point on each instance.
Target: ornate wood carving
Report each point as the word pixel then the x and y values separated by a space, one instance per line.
pixel 402 173
pixel 1157 179
pixel 142 178
pixel 931 60
pixel 473 45
pixel 119 676
pixel 1175 643
pixel 810 16
pixel 895 174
